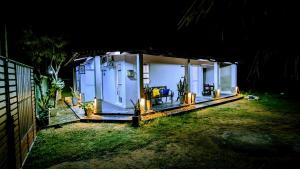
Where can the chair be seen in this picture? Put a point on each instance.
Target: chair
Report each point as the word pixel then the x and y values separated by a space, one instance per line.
pixel 207 89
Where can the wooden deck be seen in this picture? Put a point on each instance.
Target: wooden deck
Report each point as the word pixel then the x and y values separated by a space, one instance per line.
pixel 189 108
pixel 166 111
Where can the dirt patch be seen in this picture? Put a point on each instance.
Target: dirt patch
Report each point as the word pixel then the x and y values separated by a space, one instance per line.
pixel 135 159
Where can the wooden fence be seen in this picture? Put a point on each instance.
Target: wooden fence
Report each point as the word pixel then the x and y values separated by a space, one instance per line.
pixel 17 113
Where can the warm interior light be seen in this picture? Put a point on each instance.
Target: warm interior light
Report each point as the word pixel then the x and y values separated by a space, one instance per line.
pixel 142 105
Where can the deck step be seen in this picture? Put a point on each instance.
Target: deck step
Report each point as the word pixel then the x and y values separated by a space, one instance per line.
pixel 107 118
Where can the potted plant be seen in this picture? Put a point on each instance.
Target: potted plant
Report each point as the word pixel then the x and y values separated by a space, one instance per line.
pixel 137 112
pixel 43 113
pixel 88 109
pixel 75 96
pixel 182 88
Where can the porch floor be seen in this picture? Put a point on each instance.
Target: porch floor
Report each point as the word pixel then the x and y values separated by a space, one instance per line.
pixel 110 113
pixel 202 99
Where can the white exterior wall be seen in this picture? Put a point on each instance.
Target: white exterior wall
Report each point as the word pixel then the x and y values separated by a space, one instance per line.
pixel 233 75
pixel 209 76
pixel 166 75
pixel 127 87
pixel 109 84
pixel 87 81
pixel 131 89
pixel 216 75
pixel 225 79
pixel 196 79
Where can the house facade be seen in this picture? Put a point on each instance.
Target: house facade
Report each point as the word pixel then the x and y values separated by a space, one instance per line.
pixel 117 78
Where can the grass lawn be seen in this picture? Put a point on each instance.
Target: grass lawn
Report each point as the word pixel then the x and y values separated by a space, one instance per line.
pixel 242 134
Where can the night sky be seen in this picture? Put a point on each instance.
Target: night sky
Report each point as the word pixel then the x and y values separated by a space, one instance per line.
pixel 230 30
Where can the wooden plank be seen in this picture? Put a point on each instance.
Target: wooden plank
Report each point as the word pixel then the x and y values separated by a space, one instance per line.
pixel 11 77
pixel 1 76
pixel 10 70
pixel 2 90
pixel 30 137
pixel 10 65
pixel 16 117
pixel 13 106
pixel 3 133
pixel 2 97
pixel 3 126
pixel 12 89
pixel 3 119
pixel 2 84
pixel 14 111
pixel 12 82
pixel 13 100
pixel 24 147
pixel 3 141
pixel 3 161
pixel 2 104
pixel 12 94
pixel 2 112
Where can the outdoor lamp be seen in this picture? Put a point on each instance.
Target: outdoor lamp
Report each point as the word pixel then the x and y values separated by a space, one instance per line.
pixel 50 71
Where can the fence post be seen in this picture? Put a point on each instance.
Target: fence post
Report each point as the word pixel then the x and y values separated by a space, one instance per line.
pixel 10 122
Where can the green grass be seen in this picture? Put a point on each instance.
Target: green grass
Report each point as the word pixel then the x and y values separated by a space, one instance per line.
pixel 241 134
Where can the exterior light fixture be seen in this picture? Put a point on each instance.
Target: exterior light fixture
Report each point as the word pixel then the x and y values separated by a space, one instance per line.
pixel 50 70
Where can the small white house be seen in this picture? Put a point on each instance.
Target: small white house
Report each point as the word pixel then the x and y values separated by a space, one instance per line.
pixel 117 78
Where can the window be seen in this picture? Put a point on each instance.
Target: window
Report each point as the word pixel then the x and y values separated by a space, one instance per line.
pixel 146 74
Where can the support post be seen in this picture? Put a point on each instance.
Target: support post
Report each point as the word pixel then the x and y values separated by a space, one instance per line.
pixel 139 71
pixel 98 84
pixel 188 74
pixel 234 77
pixel 74 79
pixel 140 88
pixel 217 91
pixel 201 80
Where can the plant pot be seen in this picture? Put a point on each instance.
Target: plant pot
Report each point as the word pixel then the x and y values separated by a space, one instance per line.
pixel 68 101
pixel 89 112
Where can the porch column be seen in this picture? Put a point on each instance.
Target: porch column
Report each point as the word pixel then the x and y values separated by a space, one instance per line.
pixel 201 80
pixel 216 75
pixel 139 72
pixel 98 84
pixel 187 75
pixel 74 79
pixel 233 75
